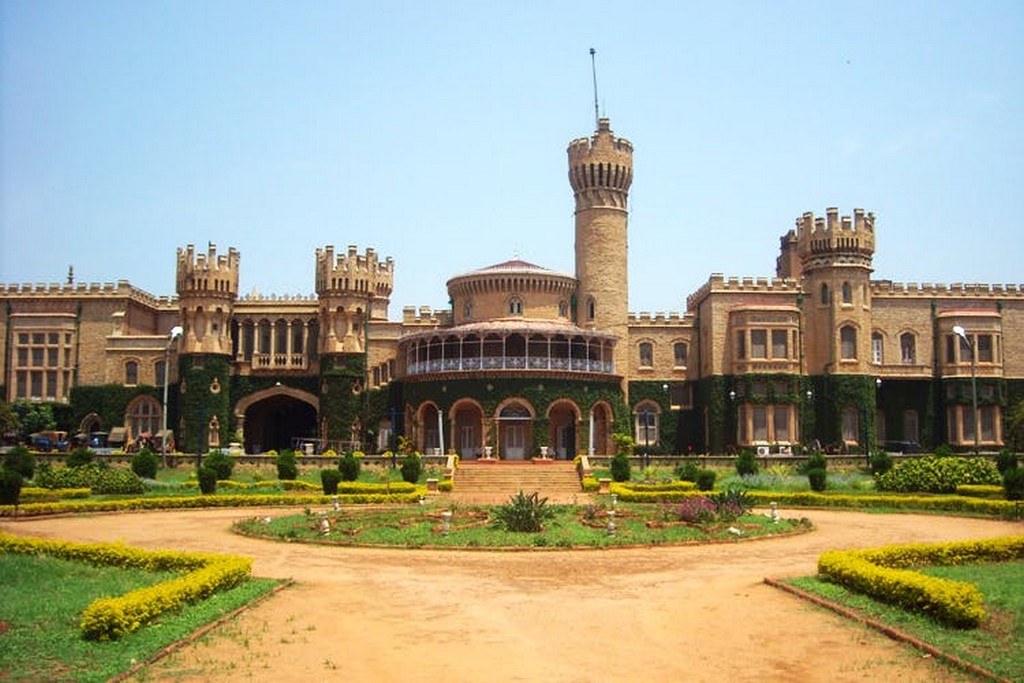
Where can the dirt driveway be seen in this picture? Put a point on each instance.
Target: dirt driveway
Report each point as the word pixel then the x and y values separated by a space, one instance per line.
pixel 695 613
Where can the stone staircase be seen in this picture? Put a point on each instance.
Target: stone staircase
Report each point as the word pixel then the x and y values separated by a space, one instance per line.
pixel 495 481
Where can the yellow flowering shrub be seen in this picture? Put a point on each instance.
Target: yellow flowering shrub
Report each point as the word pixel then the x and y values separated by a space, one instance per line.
pixel 112 617
pixel 884 574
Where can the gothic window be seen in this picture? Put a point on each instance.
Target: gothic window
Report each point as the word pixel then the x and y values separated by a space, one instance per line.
pixel 563 309
pixel 591 308
pixel 467 310
pixel 847 293
pixel 679 354
pixel 848 342
pixel 824 294
pixel 143 416
pixel 646 354
pixel 515 306
pixel 908 348
pixel 876 348
pixel 131 373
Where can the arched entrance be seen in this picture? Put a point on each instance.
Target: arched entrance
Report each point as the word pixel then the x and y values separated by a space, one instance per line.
pixel 467 429
pixel 272 418
pixel 600 429
pixel 563 416
pixel 514 433
pixel 429 437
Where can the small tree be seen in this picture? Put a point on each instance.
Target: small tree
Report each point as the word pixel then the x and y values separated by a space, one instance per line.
pixel 145 463
pixel 620 467
pixel 329 480
pixel 1015 427
pixel 1006 460
pixel 21 460
pixel 287 465
pixel 746 462
pixel 207 480
pixel 349 466
pixel 10 486
pixel 79 456
pixel 1013 483
pixel 412 466
pixel 222 462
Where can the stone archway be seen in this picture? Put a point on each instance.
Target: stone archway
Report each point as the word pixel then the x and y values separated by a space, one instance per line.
pixel 271 419
pixel 515 433
pixel 600 429
pixel 563 439
pixel 467 420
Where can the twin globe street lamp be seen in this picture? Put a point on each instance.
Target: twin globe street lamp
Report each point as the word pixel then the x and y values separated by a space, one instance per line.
pixel 171 338
pixel 960 332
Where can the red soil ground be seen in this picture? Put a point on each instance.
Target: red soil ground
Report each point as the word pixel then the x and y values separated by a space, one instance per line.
pixel 696 613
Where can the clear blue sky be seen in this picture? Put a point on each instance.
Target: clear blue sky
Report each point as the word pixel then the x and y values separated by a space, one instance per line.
pixel 436 133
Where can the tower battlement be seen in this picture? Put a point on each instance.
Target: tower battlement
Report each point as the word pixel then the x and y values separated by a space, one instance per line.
pixel 209 274
pixel 602 162
pixel 352 273
pixel 834 239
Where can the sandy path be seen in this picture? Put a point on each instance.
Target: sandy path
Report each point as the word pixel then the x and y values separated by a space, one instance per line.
pixel 664 614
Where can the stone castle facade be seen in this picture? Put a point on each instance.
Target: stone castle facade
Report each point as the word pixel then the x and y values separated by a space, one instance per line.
pixel 527 358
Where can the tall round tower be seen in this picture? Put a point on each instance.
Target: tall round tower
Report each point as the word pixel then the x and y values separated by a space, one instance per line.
pixel 600 172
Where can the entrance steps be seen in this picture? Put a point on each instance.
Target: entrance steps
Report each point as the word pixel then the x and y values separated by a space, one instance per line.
pixel 495 481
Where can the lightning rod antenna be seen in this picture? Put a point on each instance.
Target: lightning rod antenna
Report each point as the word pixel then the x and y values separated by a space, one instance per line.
pixel 593 69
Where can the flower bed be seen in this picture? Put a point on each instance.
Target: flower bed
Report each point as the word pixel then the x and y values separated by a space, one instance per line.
pixel 883 574
pixel 111 618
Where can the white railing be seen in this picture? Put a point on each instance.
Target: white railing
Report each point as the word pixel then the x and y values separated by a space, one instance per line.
pixel 511 363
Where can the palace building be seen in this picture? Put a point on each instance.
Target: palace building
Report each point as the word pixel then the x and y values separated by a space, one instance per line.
pixel 529 360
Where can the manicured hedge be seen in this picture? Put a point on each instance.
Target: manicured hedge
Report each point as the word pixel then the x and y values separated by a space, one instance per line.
pixel 882 573
pixel 187 502
pixel 111 618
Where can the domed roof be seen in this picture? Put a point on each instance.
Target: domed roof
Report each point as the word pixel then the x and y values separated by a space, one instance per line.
pixel 512 266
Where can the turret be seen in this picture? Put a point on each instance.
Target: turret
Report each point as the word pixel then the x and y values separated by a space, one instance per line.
pixel 601 172
pixel 350 285
pixel 207 286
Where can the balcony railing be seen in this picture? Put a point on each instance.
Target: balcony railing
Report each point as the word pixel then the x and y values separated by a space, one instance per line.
pixel 511 363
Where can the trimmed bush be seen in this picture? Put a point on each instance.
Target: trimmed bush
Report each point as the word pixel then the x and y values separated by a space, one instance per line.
pixel 101 480
pixel 687 471
pixel 944 450
pixel 145 463
pixel 287 465
pixel 937 475
pixel 329 479
pixel 746 462
pixel 10 486
pixel 21 460
pixel 817 478
pixel 620 467
pixel 1006 460
pixel 222 462
pixel 815 461
pixel 349 467
pixel 1013 483
pixel 706 479
pixel 207 480
pixel 411 468
pixel 79 457
pixel 881 462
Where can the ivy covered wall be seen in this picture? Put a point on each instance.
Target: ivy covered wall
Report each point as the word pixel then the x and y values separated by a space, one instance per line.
pixel 341 393
pixel 204 383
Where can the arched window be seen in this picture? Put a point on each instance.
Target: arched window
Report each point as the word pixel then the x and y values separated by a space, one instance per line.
pixel 591 308
pixel 131 373
pixel 908 348
pixel 848 342
pixel 847 293
pixel 679 352
pixel 467 310
pixel 646 354
pixel 515 306
pixel 851 425
pixel 877 346
pixel 645 424
pixel 563 309
pixel 143 417
pixel 160 372
pixel 824 294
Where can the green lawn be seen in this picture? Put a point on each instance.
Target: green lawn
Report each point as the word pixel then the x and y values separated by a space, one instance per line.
pixel 997 645
pixel 41 601
pixel 572 526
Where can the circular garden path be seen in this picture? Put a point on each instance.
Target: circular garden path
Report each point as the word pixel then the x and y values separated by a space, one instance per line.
pixel 695 613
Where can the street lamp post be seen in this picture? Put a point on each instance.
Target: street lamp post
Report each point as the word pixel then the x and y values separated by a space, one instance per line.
pixel 960 332
pixel 171 337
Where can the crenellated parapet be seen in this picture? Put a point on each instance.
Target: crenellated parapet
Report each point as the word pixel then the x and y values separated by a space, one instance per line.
pixel 353 274
pixel 93 290
pixel 887 288
pixel 601 169
pixel 425 316
pixel 670 319
pixel 835 240
pixel 208 275
pixel 718 283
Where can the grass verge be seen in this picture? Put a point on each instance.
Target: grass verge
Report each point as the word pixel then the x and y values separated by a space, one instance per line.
pixel 993 646
pixel 41 602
